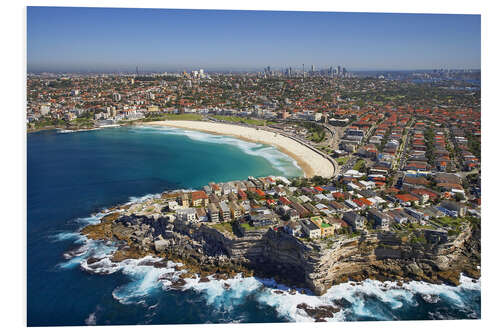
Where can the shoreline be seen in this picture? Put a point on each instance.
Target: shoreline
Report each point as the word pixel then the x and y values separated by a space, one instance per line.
pixel 309 161
pixel 111 228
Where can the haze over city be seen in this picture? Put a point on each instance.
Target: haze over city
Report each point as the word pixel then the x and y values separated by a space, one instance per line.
pixel 119 39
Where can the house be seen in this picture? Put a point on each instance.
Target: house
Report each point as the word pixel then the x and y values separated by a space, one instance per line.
pixel 293 228
pixel 207 189
pixel 284 201
pixel 245 206
pixel 215 189
pixel 433 212
pixel 235 210
pixel 293 215
pixel 326 228
pixel 183 200
pixel 225 212
pixel 457 207
pixel 199 198
pixel 213 213
pixel 398 216
pixel 406 199
pixel 186 215
pixel 339 207
pixel 170 196
pixel 260 220
pixel 351 204
pixel 381 220
pixel 260 193
pixel 304 199
pixel 202 214
pixel 242 195
pixel 324 209
pixel 311 208
pixel 300 209
pixel 418 215
pixel 423 195
pixel 310 229
pixel 232 197
pixel 213 198
pixel 335 222
pixel 173 205
pixel 354 220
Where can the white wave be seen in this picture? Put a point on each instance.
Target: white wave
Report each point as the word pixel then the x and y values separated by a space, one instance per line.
pixel 78 252
pixel 143 198
pixel 277 159
pixel 91 319
pixel 387 292
pixel 93 219
pixel 145 279
pixel 64 236
pixel 73 262
pixel 66 131
pixel 226 295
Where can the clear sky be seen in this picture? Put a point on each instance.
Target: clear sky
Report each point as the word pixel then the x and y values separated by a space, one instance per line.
pixel 119 39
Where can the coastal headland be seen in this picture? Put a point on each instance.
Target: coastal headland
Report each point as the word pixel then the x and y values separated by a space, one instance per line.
pixel 313 163
pixel 220 251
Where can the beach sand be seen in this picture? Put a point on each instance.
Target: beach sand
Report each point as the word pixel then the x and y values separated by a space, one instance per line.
pixel 310 161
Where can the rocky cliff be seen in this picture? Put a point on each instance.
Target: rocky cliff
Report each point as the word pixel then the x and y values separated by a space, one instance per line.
pixel 206 250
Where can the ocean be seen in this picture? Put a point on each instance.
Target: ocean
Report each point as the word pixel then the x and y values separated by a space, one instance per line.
pixel 73 176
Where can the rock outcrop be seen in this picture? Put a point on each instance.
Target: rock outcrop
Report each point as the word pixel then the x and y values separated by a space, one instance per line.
pixel 205 250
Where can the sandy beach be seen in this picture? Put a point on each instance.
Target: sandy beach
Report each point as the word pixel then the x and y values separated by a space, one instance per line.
pixel 310 161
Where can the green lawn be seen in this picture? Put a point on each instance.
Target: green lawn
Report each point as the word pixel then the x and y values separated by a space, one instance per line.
pixel 184 116
pixel 359 164
pixel 248 227
pixel 342 160
pixel 223 227
pixel 249 121
pixel 451 221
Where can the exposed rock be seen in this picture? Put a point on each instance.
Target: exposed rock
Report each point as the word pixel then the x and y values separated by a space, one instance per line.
pixel 342 303
pixel 187 275
pixel 204 251
pixel 93 260
pixel 161 245
pixel 450 277
pixel 178 284
pixel 320 312
pixel 110 217
pixel 146 263
pixel 160 264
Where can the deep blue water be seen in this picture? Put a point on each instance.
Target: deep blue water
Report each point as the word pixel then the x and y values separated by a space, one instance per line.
pixel 72 176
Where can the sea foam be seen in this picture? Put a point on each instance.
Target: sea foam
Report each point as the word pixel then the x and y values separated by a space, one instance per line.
pixel 277 159
pixel 369 299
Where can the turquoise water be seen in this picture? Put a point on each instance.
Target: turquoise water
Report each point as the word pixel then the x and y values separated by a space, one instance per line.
pixel 73 176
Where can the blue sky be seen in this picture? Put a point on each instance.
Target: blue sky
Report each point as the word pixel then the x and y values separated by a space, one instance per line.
pixel 116 39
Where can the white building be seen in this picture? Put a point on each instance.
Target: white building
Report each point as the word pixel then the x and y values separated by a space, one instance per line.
pixel 186 214
pixel 45 109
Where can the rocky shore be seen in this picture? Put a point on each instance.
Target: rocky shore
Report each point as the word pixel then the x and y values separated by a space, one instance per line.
pixel 207 251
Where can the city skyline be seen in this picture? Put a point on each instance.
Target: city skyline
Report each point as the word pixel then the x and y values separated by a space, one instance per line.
pixel 118 39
